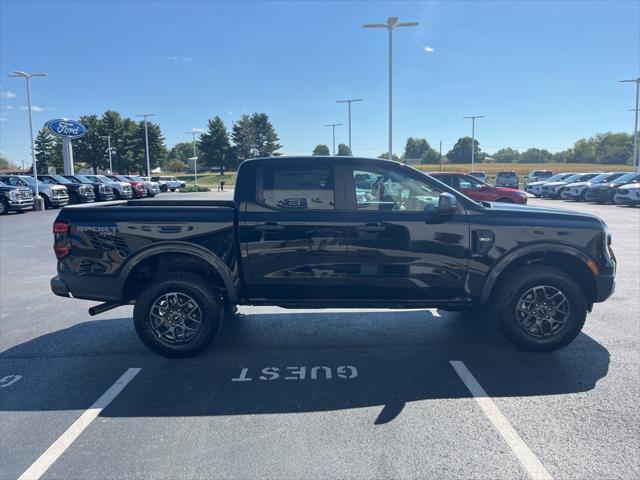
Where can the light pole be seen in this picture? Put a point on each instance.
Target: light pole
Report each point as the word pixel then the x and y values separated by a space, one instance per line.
pixel 392 22
pixel 333 127
pixel 195 132
pixel 473 137
pixel 146 139
pixel 349 102
pixel 27 77
pixel 108 137
pixel 636 160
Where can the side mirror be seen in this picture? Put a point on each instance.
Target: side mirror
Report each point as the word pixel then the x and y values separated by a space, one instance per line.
pixel 447 204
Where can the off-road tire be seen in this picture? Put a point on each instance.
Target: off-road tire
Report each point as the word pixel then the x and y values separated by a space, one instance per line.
pixel 508 294
pixel 207 299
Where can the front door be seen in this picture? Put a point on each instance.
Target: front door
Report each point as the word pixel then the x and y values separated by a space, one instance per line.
pixel 398 247
pixel 293 233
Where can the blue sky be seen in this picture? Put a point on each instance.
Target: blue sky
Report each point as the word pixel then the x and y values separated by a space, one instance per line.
pixel 544 73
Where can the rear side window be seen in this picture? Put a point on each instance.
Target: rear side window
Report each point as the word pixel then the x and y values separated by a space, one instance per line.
pixel 297 188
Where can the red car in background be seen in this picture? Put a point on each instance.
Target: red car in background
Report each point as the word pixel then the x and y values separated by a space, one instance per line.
pixel 478 190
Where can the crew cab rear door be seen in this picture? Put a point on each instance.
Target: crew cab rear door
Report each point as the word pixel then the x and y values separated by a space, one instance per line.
pixel 292 231
pixel 398 248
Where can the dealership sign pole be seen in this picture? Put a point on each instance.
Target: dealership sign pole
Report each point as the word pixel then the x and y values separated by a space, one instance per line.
pixel 67 130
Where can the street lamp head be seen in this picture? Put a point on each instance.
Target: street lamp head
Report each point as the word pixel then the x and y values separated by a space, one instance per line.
pixel 20 73
pixel 146 115
pixel 374 25
pixel 391 21
pixel 635 80
pixel 350 100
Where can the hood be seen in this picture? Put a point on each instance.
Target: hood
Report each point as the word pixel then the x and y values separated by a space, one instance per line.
pixel 56 187
pixel 532 213
pixel 118 184
pixel 554 184
pixel 535 184
pixel 508 190
pixel 631 186
pixel 578 184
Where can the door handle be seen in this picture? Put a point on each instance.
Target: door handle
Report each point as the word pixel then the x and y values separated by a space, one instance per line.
pixel 269 227
pixel 371 227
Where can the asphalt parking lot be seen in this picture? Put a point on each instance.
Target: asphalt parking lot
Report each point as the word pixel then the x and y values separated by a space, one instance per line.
pixel 380 395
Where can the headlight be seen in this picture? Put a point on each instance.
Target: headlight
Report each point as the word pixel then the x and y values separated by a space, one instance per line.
pixel 13 195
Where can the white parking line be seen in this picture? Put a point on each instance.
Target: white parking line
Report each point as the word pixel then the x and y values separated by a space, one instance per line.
pixel 48 458
pixel 523 453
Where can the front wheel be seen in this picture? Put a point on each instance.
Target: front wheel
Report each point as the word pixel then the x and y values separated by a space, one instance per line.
pixel 4 206
pixel 539 308
pixel 178 315
pixel 173 189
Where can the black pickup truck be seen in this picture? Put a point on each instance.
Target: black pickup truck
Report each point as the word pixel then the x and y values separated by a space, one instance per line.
pixel 325 232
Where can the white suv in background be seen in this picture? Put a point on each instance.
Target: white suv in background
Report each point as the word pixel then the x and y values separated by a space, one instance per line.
pixel 169 183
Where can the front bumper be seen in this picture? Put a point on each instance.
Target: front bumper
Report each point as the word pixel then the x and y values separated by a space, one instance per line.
pixel 605 286
pixel 105 197
pixel 599 195
pixel 59 201
pixel 19 205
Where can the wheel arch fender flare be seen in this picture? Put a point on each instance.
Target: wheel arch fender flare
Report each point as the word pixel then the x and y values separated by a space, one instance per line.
pixel 548 247
pixel 188 249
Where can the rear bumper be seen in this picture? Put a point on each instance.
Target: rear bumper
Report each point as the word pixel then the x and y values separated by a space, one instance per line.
pixel 102 289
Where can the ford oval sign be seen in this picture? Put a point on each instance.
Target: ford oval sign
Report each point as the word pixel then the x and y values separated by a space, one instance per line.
pixel 64 128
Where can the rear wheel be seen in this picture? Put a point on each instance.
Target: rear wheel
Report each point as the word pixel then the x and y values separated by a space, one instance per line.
pixel 178 315
pixel 164 188
pixel 173 189
pixel 504 200
pixel 539 308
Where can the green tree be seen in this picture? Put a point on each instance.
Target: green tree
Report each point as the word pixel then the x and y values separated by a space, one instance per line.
pixel 48 151
pixel 344 150
pixel 321 150
pixel 176 165
pixel 157 149
pixel 181 151
pixel 564 156
pixel 584 150
pixel 90 148
pixel 614 148
pixel 242 135
pixel 535 155
pixel 385 156
pixel 265 139
pixel 419 148
pixel 461 151
pixel 6 164
pixel 214 145
pixel 506 155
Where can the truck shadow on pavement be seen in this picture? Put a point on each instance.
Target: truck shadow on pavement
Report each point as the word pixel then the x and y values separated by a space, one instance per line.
pixel 293 362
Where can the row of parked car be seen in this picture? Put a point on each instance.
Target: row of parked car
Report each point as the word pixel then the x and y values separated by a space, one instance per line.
pixel 17 191
pixel 616 187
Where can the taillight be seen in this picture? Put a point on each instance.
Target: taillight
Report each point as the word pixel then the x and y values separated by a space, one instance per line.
pixel 61 240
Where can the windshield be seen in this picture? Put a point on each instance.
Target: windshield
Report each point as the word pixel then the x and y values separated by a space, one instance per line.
pixel 626 178
pixel 507 174
pixel 558 177
pixel 103 178
pixel 82 179
pixel 61 179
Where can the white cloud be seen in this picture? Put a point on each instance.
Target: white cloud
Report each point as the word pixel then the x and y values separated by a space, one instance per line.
pixel 3 119
pixel 8 94
pixel 35 108
pixel 181 59
pixel 230 112
pixel 428 49
pixel 7 107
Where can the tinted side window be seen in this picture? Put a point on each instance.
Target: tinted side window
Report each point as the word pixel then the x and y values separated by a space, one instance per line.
pixel 306 188
pixel 391 189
